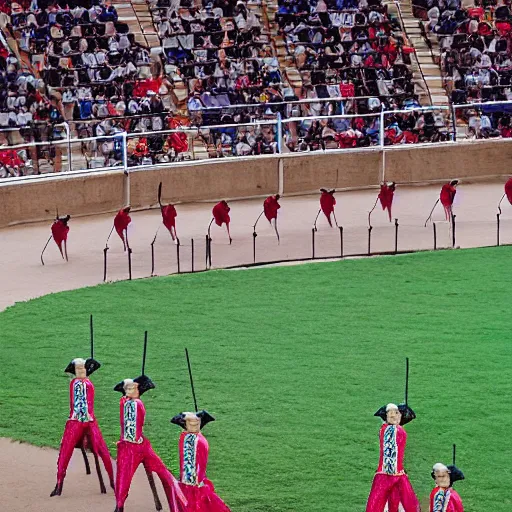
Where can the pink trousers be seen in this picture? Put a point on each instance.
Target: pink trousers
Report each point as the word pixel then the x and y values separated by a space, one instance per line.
pixel 74 435
pixel 129 457
pixel 392 489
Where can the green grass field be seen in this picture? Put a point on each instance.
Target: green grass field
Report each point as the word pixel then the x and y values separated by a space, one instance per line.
pixel 293 362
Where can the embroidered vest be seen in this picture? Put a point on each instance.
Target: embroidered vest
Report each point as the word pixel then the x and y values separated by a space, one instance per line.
pixel 189 475
pixel 441 500
pixel 130 422
pixel 390 451
pixel 80 401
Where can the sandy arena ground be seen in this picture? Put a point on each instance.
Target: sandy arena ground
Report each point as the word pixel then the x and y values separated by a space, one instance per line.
pixel 22 277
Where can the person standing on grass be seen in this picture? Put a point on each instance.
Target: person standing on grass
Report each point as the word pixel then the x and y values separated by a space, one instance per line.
pixel 193 447
pixel 443 497
pixel 133 448
pixel 81 428
pixel 390 482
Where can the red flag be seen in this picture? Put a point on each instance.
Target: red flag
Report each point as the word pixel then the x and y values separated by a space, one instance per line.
pixel 387 191
pixel 270 207
pixel 169 215
pixel 60 230
pixel 221 213
pixel 447 194
pixel 508 190
pixel 121 221
pixel 327 203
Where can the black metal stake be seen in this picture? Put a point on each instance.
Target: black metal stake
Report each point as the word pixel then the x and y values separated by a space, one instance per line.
pixel 105 264
pixel 313 242
pixel 396 236
pixel 341 241
pixel 370 240
pixel 435 235
pixel 178 255
pixel 453 231
pixel 152 259
pixel 254 235
pixel 206 265
pixel 497 229
pixel 454 453
pixel 406 380
pixel 130 263
pixel 210 252
pixel 192 249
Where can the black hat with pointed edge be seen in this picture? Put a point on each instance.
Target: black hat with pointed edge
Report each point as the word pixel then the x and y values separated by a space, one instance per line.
pixel 407 414
pixel 455 474
pixel 91 365
pixel 203 415
pixel 144 382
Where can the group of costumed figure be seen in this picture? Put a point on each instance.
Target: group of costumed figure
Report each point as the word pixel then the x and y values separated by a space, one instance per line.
pixel 271 206
pixel 193 492
pixel 391 487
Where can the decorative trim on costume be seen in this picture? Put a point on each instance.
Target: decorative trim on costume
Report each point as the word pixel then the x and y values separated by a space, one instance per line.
pixel 390 451
pixel 80 408
pixel 189 476
pixel 441 500
pixel 130 422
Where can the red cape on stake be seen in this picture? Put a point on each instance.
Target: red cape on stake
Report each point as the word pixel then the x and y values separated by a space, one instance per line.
pixel 386 195
pixel 447 195
pixel 121 221
pixel 220 213
pixel 327 202
pixel 270 207
pixel 508 190
pixel 169 215
pixel 60 232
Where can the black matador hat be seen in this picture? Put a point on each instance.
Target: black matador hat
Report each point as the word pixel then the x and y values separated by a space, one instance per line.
pixel 203 415
pixel 407 413
pixel 144 382
pixel 91 365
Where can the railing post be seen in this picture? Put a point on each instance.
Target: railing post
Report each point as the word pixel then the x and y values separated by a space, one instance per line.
pixel 370 240
pixel 68 136
pixel 497 229
pixel 178 255
pixel 279 133
pixel 125 151
pixel 435 235
pixel 313 243
pixel 192 250
pixel 396 236
pixel 341 241
pixel 453 231
pixel 454 121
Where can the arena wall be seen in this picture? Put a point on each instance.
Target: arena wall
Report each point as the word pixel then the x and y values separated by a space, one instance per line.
pixel 94 193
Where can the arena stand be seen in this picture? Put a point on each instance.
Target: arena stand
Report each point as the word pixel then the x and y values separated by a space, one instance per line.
pixel 471 43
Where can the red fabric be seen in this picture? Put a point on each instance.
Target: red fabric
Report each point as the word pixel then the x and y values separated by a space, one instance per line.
pixel 386 198
pixel 169 215
pixel 447 195
pixel 10 158
pixel 508 190
pixel 392 488
pixel 347 90
pixel 129 457
pixel 452 502
pixel 142 87
pixel 401 441
pixel 484 29
pixel 503 27
pixel 200 497
pixel 59 233
pixel 141 149
pixel 410 137
pixel 221 213
pixel 178 141
pixel 121 221
pixel 270 207
pixel 327 203
pixel 476 12
pixel 506 132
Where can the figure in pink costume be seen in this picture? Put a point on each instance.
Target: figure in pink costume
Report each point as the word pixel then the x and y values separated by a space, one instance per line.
pixel 81 429
pixel 193 446
pixel 444 498
pixel 390 483
pixel 134 448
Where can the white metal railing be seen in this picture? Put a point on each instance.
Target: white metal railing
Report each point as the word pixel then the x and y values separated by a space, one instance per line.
pixel 280 128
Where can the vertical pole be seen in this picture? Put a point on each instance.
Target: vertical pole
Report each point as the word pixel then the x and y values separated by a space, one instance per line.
pixel 178 254
pixel 453 231
pixel 125 151
pixel 454 453
pixel 396 236
pixel 381 143
pixel 370 240
pixel 454 122
pixel 206 265
pixel 129 263
pixel 192 249
pixel 341 241
pixel 68 136
pixel 279 133
pixel 254 235
pixel 152 259
pixel 313 242
pixel 435 236
pixel 210 252
pixel 498 229
pixel 105 264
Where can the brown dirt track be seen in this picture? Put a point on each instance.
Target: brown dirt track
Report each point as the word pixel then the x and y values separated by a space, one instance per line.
pixel 29 473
